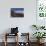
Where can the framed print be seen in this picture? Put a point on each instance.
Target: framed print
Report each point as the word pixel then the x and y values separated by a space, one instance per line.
pixel 17 12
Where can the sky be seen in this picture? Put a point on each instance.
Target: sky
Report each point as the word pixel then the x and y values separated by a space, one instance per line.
pixel 18 10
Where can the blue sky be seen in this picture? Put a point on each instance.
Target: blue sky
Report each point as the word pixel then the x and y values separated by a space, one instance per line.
pixel 18 10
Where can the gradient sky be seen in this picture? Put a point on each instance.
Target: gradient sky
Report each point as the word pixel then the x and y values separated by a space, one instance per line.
pixel 18 10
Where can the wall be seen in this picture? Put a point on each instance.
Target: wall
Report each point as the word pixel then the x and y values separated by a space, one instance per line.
pixel 24 24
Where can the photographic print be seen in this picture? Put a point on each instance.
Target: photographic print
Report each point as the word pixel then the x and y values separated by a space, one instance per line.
pixel 17 12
